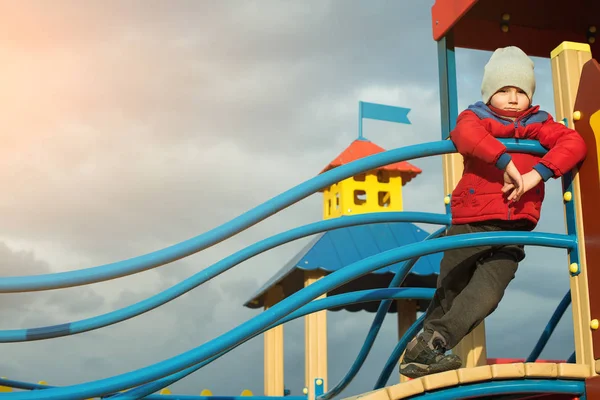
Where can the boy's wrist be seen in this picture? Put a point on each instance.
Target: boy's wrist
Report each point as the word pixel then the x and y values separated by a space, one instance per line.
pixel 544 172
pixel 503 161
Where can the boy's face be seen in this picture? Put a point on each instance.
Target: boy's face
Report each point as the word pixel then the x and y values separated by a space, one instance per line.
pixel 510 98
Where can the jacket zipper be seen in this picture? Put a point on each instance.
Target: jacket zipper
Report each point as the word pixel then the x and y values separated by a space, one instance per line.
pixel 516 123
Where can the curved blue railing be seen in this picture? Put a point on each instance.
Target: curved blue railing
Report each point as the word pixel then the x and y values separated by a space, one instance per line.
pixel 376 325
pixel 113 317
pixel 552 323
pixel 249 218
pixel 397 352
pixel 152 378
pixel 312 307
pixel 290 304
pixel 507 387
pixel 335 301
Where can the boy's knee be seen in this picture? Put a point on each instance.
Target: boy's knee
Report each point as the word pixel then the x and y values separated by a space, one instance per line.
pixel 514 252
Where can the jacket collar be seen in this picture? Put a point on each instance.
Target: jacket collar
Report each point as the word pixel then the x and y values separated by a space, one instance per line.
pixel 483 111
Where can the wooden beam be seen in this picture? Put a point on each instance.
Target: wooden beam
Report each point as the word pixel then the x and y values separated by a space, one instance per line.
pixel 567 61
pixel 273 363
pixel 315 342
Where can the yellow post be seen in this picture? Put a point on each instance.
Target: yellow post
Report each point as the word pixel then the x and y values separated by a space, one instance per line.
pixel 472 349
pixel 5 389
pixel 315 340
pixel 567 62
pixel 407 315
pixel 273 363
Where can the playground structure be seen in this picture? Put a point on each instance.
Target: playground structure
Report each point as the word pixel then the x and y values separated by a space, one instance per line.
pixel 567 36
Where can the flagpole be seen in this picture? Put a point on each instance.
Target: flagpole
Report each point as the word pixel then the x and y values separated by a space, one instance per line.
pixel 360 120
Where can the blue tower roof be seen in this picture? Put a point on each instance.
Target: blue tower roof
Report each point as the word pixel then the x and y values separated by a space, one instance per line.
pixel 335 249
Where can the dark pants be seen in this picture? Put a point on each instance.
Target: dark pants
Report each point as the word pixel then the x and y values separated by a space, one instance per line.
pixel 472 281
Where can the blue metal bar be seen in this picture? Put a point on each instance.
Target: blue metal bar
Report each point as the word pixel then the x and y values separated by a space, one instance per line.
pixel 448 86
pixel 22 385
pixel 570 217
pixel 113 317
pixel 397 352
pixel 257 214
pixel 552 323
pixel 331 302
pixel 376 325
pixel 314 306
pixel 290 304
pixel 505 387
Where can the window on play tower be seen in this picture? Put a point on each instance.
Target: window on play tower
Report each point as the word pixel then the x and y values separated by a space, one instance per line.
pixel 360 197
pixel 383 176
pixel 360 177
pixel 384 199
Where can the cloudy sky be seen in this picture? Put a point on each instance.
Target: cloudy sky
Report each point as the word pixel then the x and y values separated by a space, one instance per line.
pixel 131 126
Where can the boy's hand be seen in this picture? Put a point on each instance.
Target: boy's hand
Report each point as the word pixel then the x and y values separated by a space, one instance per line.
pixel 530 180
pixel 513 181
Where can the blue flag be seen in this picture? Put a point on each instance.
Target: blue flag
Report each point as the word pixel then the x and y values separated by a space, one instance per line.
pixel 382 113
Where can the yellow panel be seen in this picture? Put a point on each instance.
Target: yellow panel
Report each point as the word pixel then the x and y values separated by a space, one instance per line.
pixel 380 394
pixel 326 205
pixel 370 188
pixel 476 374
pixel 570 46
pixel 406 389
pixel 567 60
pixel 573 370
pixel 502 371
pixel 541 370
pixel 443 379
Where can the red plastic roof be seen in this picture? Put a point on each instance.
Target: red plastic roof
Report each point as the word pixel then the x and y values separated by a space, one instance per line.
pixel 446 13
pixel 364 148
pixel 536 26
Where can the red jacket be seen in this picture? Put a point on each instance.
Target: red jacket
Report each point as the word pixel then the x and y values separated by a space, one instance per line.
pixel 478 196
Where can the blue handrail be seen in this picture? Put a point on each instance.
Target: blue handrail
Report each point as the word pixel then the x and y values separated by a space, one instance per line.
pixel 249 218
pixel 331 302
pixel 389 366
pixel 292 303
pixel 312 307
pixel 506 387
pixel 552 323
pixel 113 317
pixel 376 325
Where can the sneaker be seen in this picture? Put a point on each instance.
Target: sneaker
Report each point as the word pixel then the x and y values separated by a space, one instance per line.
pixel 427 357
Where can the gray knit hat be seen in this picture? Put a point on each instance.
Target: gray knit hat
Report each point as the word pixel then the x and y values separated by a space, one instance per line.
pixel 508 66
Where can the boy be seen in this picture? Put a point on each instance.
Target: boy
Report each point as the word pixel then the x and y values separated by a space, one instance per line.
pixel 492 195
